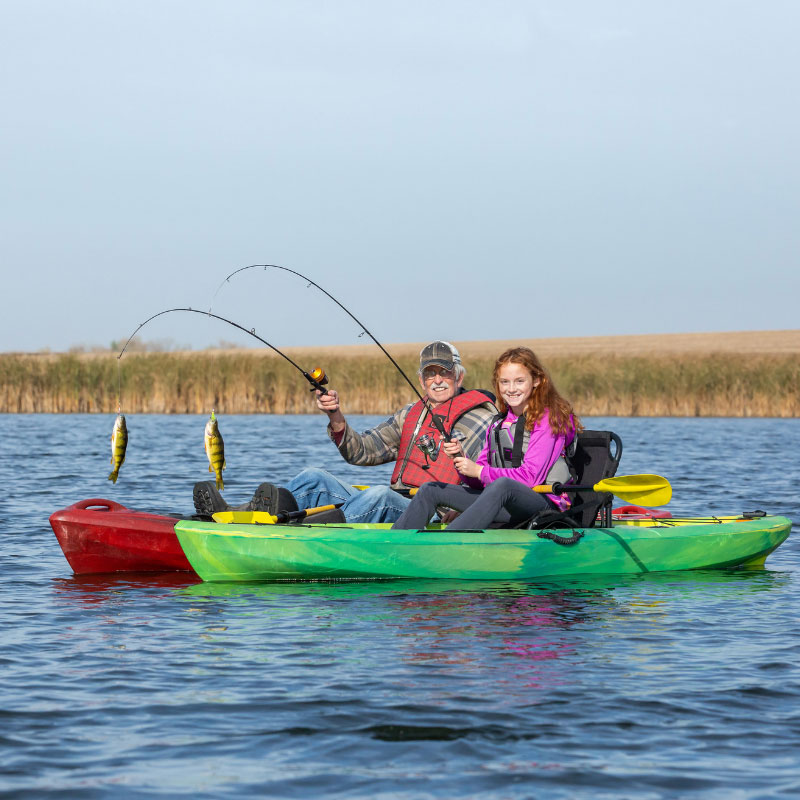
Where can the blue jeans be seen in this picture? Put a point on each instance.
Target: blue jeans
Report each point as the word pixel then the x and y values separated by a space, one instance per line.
pixel 316 487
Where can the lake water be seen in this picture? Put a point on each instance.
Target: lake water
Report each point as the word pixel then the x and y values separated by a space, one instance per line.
pixel 671 685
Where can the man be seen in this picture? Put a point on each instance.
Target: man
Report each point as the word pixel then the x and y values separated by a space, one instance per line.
pixel 464 415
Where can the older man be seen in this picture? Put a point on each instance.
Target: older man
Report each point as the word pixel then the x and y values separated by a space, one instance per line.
pixel 464 414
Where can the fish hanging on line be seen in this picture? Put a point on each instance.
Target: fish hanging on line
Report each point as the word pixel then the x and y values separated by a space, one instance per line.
pixel 215 450
pixel 119 442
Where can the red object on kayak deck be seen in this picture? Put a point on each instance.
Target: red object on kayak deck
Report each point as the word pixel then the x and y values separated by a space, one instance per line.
pixel 639 512
pixel 103 536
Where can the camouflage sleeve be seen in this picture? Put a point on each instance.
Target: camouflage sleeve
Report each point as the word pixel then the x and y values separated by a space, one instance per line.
pixel 378 445
pixel 473 426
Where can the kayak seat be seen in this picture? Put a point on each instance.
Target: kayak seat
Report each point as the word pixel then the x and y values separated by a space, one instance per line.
pixel 596 457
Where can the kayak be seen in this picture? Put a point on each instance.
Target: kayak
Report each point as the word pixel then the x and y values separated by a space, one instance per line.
pixel 103 536
pixel 341 551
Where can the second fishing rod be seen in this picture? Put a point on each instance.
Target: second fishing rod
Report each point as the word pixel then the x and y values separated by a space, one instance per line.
pixel 435 418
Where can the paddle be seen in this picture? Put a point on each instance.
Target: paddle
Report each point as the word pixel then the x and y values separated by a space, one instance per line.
pixel 647 490
pixel 264 518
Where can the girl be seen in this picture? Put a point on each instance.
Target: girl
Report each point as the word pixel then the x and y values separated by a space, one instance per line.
pixel 524 447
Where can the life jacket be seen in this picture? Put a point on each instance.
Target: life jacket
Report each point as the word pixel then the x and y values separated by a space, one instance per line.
pixel 507 446
pixel 412 467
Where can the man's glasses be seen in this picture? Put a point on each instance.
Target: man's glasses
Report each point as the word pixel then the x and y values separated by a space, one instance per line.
pixel 429 373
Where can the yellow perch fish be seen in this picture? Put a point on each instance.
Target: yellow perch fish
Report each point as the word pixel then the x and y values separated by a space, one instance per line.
pixel 215 450
pixel 119 441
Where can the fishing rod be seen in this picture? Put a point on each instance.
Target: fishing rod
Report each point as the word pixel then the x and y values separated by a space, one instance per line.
pixel 437 421
pixel 316 377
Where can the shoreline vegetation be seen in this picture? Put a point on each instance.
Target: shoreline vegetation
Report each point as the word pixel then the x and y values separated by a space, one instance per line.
pixel 748 374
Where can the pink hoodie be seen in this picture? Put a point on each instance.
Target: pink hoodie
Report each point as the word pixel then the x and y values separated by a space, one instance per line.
pixel 544 449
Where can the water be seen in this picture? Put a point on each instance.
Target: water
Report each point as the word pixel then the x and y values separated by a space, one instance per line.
pixel 674 685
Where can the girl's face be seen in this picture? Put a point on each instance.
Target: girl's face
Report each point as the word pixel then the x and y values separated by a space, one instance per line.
pixel 516 385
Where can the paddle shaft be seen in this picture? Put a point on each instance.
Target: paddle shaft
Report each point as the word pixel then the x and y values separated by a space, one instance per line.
pixel 285 516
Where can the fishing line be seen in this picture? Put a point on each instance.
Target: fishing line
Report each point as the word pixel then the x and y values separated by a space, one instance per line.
pixel 316 378
pixel 119 386
pixel 425 401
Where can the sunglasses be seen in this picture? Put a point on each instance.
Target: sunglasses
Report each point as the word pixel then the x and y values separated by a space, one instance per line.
pixel 429 373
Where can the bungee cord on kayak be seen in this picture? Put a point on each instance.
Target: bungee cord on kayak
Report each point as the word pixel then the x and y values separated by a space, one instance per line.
pixel 436 420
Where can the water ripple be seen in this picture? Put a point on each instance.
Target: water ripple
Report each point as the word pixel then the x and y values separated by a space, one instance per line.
pixel 652 686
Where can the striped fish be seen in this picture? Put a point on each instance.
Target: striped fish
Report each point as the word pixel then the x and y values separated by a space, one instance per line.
pixel 119 442
pixel 215 450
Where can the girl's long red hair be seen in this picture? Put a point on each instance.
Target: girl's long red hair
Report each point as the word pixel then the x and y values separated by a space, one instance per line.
pixel 544 397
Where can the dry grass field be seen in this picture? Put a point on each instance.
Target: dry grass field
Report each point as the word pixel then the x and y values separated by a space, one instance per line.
pixel 704 374
pixel 744 342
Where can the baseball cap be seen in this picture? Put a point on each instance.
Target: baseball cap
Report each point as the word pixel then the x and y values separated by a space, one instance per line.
pixel 441 354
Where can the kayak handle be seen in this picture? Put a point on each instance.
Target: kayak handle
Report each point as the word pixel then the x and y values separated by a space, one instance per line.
pixel 96 504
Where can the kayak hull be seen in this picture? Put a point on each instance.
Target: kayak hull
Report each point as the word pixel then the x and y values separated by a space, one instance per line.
pixel 99 536
pixel 240 552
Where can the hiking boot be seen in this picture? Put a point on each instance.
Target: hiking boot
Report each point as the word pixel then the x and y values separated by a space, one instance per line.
pixel 272 499
pixel 207 499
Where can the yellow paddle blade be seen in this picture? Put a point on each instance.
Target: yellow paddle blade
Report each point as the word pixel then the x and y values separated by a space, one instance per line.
pixel 646 490
pixel 262 517
pixel 244 517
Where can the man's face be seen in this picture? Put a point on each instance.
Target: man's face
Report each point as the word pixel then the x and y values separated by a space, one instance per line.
pixel 439 384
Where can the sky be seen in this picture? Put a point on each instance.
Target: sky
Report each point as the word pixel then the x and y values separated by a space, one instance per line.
pixel 459 170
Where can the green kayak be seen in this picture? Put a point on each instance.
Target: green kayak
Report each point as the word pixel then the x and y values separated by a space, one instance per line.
pixel 253 552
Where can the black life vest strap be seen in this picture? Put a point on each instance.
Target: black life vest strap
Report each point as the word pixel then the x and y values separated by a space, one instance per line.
pixel 519 436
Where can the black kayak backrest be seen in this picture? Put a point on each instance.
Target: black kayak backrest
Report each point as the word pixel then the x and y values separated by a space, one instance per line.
pixel 597 456
pixel 594 460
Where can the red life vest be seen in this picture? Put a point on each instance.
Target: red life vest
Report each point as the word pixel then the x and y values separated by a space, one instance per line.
pixel 410 459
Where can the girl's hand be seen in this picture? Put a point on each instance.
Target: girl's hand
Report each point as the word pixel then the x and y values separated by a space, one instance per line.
pixel 467 467
pixel 449 516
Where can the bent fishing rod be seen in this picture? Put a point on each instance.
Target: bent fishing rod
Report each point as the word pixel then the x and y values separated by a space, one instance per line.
pixel 437 421
pixel 316 377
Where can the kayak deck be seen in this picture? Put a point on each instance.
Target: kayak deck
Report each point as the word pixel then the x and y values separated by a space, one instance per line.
pixel 242 552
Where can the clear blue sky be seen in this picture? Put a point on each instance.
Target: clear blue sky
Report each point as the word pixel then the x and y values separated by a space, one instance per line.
pixel 455 169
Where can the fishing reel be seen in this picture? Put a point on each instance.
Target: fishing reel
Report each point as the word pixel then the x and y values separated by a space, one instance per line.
pixel 430 449
pixel 318 378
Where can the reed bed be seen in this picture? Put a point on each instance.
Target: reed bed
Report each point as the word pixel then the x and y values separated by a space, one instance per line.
pixel 242 382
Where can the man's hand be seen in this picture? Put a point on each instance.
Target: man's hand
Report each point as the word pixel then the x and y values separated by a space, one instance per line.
pixel 329 403
pixel 452 448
